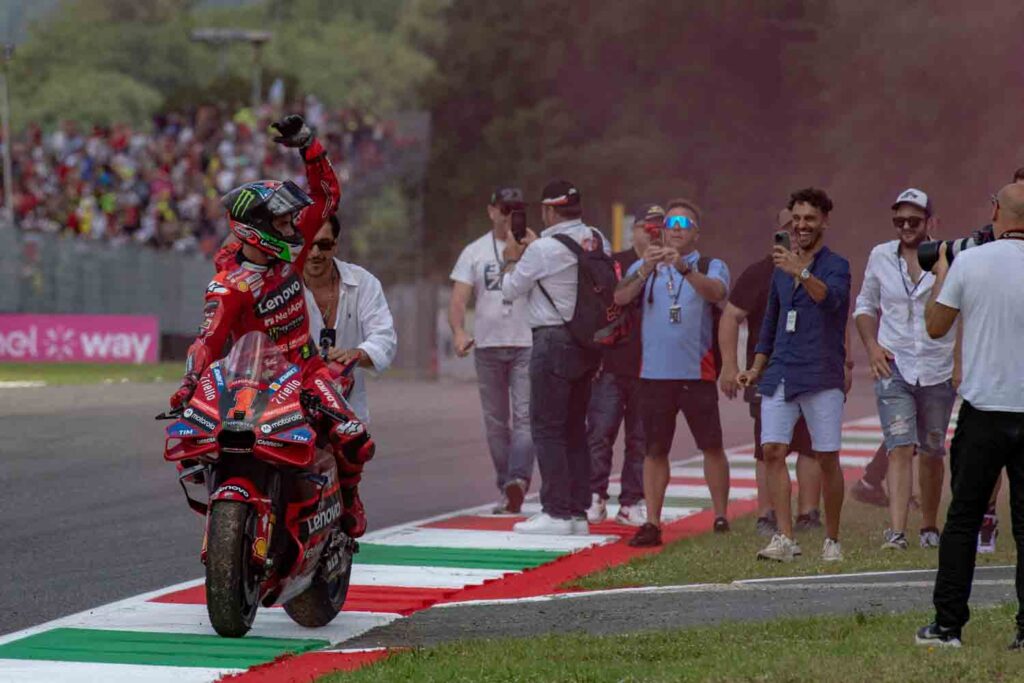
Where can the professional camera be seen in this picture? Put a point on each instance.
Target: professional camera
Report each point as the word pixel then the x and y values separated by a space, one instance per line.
pixel 928 252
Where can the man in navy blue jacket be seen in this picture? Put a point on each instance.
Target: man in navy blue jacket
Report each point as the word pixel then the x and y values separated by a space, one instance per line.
pixel 800 366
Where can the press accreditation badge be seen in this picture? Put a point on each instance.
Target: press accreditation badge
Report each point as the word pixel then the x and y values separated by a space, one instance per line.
pixel 791 321
pixel 675 315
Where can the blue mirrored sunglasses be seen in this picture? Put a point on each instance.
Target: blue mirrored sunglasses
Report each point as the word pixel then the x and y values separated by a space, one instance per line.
pixel 680 223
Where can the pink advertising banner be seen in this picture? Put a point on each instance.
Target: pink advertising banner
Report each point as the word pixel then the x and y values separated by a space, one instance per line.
pixel 31 338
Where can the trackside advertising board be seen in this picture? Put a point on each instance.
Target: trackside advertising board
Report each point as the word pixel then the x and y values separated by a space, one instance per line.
pixel 34 338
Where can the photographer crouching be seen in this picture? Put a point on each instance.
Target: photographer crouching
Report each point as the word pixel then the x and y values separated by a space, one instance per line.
pixel 986 284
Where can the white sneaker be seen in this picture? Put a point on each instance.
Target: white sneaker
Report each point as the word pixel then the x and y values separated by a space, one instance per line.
pixel 543 523
pixel 780 549
pixel 580 527
pixel 598 511
pixel 831 551
pixel 632 515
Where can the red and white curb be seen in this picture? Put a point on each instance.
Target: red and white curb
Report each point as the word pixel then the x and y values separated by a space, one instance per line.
pixel 467 555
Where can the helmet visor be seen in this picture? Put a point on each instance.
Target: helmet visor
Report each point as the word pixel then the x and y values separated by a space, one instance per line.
pixel 289 198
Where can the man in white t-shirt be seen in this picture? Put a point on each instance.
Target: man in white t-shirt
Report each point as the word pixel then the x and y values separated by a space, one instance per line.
pixel 986 285
pixel 502 339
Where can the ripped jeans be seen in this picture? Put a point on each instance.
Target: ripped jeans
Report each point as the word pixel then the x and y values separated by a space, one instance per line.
pixel 913 415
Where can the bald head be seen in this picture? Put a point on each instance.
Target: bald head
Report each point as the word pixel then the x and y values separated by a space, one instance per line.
pixel 1010 215
pixel 783 219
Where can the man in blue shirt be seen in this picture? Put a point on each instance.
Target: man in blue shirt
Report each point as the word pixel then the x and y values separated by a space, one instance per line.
pixel 678 290
pixel 803 345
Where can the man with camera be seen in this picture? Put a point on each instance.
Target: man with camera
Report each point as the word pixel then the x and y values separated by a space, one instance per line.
pixel 800 367
pixel 679 288
pixel 545 272
pixel 748 301
pixel 502 341
pixel 913 373
pixel 615 398
pixel 985 285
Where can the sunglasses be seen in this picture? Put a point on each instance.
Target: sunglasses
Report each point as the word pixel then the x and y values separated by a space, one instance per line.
pixel 680 223
pixel 325 245
pixel 914 222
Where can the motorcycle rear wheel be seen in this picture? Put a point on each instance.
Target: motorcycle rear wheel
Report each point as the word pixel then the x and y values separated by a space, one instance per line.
pixel 320 603
pixel 232 586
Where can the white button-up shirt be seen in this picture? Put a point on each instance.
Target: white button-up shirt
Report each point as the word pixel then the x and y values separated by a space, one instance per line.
pixel 550 263
pixel 889 290
pixel 362 321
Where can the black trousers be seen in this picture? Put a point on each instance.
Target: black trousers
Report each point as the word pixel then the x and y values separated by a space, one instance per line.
pixel 984 443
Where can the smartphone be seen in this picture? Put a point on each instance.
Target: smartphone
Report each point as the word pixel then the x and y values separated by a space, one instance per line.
pixel 518 219
pixel 782 239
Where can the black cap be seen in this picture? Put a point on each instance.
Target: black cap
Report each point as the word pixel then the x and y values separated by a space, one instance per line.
pixel 560 193
pixel 507 195
pixel 648 213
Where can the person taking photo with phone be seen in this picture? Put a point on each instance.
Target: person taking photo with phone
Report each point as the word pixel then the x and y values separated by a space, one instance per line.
pixel 800 367
pixel 503 342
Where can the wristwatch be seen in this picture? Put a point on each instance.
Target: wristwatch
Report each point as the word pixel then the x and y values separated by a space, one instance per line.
pixel 805 275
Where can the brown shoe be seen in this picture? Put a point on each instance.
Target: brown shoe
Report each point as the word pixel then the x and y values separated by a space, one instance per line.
pixel 647 536
pixel 515 492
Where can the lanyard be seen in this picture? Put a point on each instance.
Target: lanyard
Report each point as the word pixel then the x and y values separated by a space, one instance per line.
pixel 494 245
pixel 670 286
pixel 899 266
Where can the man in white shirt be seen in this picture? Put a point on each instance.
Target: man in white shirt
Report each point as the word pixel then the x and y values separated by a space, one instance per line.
pixel 986 285
pixel 561 370
pixel 502 341
pixel 913 373
pixel 349 301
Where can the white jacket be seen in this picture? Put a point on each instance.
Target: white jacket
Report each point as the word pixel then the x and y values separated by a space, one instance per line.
pixel 363 321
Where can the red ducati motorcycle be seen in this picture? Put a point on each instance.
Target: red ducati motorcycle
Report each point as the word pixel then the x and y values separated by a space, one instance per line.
pixel 272 503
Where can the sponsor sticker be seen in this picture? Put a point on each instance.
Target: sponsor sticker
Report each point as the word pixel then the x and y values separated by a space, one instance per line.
pixel 232 488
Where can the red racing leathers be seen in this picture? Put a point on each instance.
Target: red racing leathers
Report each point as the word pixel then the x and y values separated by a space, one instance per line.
pixel 244 296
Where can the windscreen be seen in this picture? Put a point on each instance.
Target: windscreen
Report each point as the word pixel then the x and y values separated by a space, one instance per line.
pixel 254 361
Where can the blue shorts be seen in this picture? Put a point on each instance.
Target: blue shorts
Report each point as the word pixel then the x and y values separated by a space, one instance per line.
pixel 914 415
pixel 822 410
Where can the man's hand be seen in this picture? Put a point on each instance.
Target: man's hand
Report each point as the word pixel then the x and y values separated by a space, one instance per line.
pixel 346 356
pixel 941 266
pixel 879 359
pixel 462 343
pixel 669 255
pixel 292 132
pixel 847 379
pixel 184 393
pixel 730 387
pixel 514 250
pixel 748 378
pixel 654 255
pixel 958 376
pixel 787 261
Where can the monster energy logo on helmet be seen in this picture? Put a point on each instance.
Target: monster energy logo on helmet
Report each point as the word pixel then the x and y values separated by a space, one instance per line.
pixel 253 208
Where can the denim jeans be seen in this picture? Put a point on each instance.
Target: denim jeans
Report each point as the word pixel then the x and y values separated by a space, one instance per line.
pixel 612 398
pixel 984 443
pixel 503 375
pixel 560 375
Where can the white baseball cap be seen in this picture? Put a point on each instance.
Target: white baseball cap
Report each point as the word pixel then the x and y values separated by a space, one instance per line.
pixel 916 198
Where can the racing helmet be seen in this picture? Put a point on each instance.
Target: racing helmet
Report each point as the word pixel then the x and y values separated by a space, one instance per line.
pixel 252 209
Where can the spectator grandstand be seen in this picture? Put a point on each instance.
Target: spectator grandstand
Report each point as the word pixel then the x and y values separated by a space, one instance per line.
pixel 160 185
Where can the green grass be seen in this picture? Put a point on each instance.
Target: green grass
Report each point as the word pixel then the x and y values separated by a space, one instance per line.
pixel 847 649
pixel 720 558
pixel 89 373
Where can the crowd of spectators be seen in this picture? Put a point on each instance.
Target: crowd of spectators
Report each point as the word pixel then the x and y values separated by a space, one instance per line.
pixel 160 184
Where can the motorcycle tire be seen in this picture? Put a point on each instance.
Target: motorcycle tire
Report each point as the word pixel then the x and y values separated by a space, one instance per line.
pixel 232 586
pixel 320 603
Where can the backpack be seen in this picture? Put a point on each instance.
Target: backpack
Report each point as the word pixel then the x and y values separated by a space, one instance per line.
pixel 597 322
pixel 703 263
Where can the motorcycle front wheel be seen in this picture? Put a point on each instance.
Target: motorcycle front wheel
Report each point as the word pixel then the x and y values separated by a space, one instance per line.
pixel 232 585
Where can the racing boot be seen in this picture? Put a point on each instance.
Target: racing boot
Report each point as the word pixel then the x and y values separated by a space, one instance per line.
pixel 353 516
pixel 353 447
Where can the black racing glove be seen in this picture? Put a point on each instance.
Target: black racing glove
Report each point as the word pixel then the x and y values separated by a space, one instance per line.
pixel 293 132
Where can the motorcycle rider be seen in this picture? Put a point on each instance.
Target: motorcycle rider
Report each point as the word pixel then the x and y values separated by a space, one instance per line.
pixel 259 286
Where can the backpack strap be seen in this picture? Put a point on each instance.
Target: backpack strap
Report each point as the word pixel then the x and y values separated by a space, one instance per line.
pixel 569 242
pixel 552 302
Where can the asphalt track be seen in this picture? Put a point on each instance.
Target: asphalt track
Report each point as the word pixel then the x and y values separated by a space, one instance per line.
pixel 636 611
pixel 90 513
